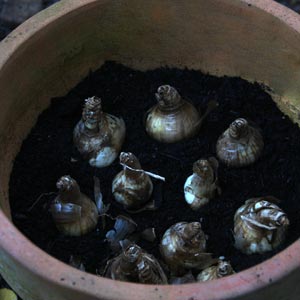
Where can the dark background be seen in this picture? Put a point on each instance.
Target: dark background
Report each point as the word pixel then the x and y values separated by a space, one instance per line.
pixel 14 12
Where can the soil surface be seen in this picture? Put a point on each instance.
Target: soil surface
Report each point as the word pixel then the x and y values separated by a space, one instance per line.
pixel 48 153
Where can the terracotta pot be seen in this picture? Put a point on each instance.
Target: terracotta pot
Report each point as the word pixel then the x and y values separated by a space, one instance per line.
pixel 258 40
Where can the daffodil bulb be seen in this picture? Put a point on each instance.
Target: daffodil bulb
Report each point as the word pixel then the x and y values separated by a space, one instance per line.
pixel 183 247
pixel 98 136
pixel 220 269
pixel 73 212
pixel 259 225
pixel 202 185
pixel 135 265
pixel 240 145
pixel 132 187
pixel 172 119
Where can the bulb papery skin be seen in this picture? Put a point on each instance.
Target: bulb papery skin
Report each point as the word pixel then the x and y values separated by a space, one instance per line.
pixel 202 185
pixel 98 136
pixel 89 213
pixel 240 145
pixel 183 247
pixel 259 226
pixel 222 269
pixel 173 119
pixel 135 265
pixel 130 188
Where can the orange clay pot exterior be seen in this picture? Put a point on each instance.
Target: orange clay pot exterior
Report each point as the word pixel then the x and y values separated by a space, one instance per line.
pixel 45 57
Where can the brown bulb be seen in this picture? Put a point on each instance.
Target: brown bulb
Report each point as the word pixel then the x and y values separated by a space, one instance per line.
pixel 183 247
pixel 132 187
pixel 240 145
pixel 202 185
pixel 74 213
pixel 135 265
pixel 259 225
pixel 221 269
pixel 172 119
pixel 98 136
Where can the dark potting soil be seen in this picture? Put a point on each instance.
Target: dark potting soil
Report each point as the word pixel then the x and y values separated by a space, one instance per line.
pixel 48 153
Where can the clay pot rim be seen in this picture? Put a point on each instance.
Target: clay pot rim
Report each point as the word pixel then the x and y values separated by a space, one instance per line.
pixel 32 257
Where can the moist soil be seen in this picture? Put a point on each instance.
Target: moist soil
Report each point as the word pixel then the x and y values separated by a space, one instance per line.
pixel 48 153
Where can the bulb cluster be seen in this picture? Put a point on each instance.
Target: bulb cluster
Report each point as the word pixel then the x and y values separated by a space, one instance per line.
pixel 259 225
